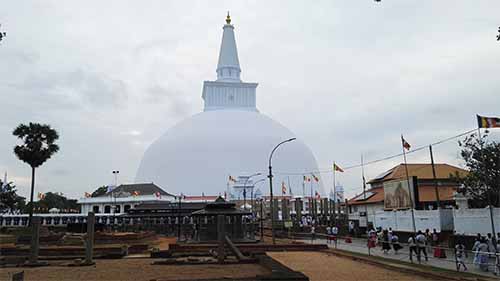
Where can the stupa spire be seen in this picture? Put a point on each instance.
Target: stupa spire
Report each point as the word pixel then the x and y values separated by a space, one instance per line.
pixel 228 67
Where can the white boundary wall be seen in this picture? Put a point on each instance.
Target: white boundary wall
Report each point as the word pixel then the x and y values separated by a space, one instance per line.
pixel 473 221
pixel 424 219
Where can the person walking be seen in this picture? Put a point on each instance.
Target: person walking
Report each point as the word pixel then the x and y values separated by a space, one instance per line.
pixel 413 247
pixel 483 256
pixel 460 254
pixel 475 249
pixel 395 243
pixel 372 238
pixel 385 241
pixel 390 233
pixel 491 244
pixel 421 244
pixel 313 233
pixel 328 234
pixel 335 232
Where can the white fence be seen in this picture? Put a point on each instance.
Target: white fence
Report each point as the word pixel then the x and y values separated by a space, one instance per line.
pixel 441 220
pixel 473 221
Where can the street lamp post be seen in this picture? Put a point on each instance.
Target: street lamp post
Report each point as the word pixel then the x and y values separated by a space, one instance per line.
pixel 179 225
pixel 270 176
pixel 252 194
pixel 115 173
pixel 245 189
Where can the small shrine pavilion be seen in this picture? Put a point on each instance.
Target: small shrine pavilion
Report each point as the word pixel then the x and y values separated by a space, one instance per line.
pixel 237 227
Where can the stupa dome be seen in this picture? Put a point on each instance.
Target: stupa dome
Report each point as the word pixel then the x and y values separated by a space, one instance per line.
pixel 231 137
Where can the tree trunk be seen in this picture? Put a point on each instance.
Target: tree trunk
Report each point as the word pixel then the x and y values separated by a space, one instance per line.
pixel 32 193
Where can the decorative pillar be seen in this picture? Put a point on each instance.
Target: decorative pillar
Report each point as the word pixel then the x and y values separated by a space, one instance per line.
pixel 89 245
pixel 35 240
pixel 220 238
pixel 298 210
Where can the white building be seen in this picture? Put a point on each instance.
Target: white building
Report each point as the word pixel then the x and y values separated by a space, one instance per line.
pixel 123 197
pixel 230 137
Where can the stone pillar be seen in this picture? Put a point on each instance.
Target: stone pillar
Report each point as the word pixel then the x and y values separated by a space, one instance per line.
pixel 326 206
pixel 275 209
pixel 298 210
pixel 35 240
pixel 221 226
pixel 285 209
pixel 89 245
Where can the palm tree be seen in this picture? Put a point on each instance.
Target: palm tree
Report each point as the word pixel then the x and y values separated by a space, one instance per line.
pixel 37 148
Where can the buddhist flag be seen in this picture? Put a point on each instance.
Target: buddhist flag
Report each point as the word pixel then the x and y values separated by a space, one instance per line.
pixel 405 144
pixel 315 177
pixel 488 122
pixel 283 188
pixel 318 196
pixel 87 195
pixel 337 168
pixel 135 193
pixel 158 194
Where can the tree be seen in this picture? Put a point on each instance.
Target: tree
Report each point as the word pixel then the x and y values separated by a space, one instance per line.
pixel 56 200
pixel 482 158
pixel 9 200
pixel 38 146
pixel 99 191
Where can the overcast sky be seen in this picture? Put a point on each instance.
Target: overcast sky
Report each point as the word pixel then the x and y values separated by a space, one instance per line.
pixel 348 77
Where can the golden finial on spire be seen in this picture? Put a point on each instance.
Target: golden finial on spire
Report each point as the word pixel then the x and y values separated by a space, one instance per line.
pixel 228 18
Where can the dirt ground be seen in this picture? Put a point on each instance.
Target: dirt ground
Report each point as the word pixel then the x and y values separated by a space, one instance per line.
pixel 133 270
pixel 321 267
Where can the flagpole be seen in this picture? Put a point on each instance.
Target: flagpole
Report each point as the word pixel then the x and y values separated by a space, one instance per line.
pixel 489 193
pixel 334 192
pixel 364 189
pixel 412 206
pixel 289 187
pixel 304 186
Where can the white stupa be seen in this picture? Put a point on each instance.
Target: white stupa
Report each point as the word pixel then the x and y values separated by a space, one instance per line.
pixel 230 137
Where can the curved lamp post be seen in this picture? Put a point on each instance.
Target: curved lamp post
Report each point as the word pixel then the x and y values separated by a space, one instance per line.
pixel 245 189
pixel 251 195
pixel 270 176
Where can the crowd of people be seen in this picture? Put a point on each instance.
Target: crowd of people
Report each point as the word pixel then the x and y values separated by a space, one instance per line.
pixel 485 248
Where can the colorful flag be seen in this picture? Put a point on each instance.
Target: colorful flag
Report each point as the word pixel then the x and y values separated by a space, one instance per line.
pixel 488 122
pixel 87 195
pixel 283 188
pixel 318 196
pixel 406 145
pixel 158 194
pixel 315 177
pixel 337 168
pixel 135 193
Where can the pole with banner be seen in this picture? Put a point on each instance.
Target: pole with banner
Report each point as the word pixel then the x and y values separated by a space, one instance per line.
pixel 406 146
pixel 435 178
pixel 487 122
pixel 334 191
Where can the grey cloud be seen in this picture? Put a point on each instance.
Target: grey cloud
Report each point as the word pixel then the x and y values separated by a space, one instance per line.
pixel 177 104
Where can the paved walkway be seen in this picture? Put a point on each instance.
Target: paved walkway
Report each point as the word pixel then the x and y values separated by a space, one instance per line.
pixel 359 246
